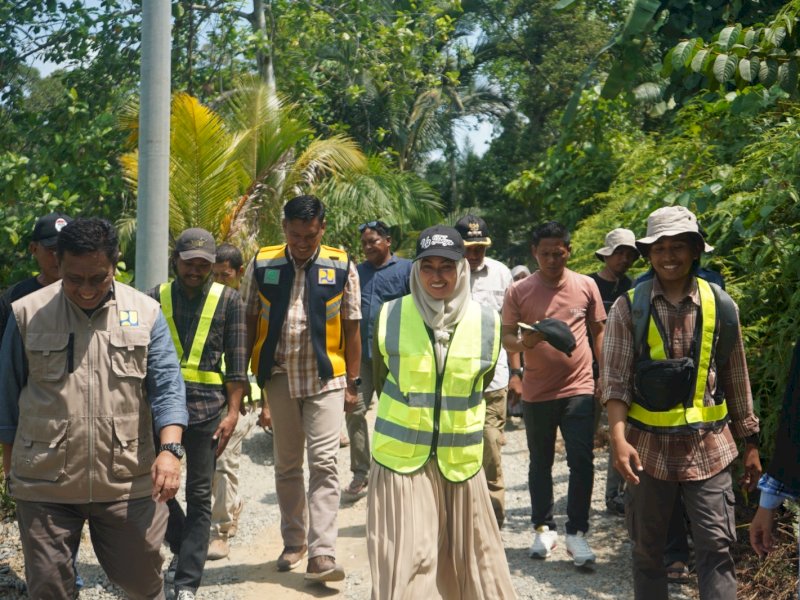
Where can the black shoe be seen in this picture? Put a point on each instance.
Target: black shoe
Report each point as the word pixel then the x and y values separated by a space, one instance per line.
pixel 616 506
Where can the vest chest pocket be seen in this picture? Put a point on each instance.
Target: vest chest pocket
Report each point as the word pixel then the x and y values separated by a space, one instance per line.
pixel 128 348
pixel 134 451
pixel 40 449
pixel 47 355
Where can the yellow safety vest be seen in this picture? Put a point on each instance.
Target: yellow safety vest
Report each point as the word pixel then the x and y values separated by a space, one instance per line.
pixel 693 414
pixel 422 413
pixel 190 366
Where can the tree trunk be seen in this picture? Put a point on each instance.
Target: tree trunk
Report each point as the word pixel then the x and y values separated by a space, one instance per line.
pixel 266 68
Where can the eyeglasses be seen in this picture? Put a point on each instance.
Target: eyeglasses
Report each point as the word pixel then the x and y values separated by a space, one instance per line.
pixel 377 225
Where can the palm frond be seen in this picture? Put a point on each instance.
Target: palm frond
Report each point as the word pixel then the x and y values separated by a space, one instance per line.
pixel 324 158
pixel 204 180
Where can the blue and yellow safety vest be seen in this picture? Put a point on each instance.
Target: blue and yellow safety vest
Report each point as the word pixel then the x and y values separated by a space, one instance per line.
pixel 690 413
pixel 422 413
pixel 326 276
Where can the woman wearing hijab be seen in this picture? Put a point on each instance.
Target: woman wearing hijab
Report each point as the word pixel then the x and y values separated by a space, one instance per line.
pixel 431 530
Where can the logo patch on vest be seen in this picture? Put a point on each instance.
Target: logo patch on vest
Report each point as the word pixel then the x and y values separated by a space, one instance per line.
pixel 129 318
pixel 272 276
pixel 326 276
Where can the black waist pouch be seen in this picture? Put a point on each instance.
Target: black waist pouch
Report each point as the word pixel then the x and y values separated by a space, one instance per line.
pixel 663 384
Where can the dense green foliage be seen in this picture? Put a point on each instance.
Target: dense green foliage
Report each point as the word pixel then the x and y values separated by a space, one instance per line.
pixel 604 110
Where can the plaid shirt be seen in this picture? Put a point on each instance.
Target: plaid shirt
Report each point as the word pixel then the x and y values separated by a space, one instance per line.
pixel 227 335
pixel 677 456
pixel 294 354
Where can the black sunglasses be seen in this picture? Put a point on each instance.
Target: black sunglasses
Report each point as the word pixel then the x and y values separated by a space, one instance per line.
pixel 376 225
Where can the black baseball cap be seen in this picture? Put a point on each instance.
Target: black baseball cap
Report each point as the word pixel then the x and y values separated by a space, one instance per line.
pixel 196 243
pixel 442 241
pixel 473 231
pixel 45 231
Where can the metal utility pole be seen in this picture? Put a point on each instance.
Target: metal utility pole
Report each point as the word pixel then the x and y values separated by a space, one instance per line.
pixel 152 209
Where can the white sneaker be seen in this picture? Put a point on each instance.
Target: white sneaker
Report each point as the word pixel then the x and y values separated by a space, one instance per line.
pixel 578 548
pixel 185 595
pixel 544 541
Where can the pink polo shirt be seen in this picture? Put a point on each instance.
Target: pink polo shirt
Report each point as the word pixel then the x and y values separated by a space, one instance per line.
pixel 550 374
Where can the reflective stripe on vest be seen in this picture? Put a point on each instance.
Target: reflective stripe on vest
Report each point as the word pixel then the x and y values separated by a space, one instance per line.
pixel 190 366
pixel 421 413
pixel 697 415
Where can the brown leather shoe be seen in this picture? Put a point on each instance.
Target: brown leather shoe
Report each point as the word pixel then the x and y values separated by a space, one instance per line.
pixel 291 557
pixel 218 548
pixel 322 569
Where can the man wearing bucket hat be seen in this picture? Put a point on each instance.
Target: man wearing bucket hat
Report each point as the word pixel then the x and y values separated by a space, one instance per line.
pixel 489 280
pixel 206 321
pixel 674 379
pixel 617 256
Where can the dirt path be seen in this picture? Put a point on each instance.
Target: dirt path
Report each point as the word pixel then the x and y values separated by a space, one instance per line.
pixel 250 569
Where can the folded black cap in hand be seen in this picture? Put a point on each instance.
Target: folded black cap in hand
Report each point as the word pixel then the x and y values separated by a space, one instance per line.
pixel 557 334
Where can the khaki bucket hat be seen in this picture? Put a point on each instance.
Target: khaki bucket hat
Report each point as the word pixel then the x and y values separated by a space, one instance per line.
pixel 616 238
pixel 669 221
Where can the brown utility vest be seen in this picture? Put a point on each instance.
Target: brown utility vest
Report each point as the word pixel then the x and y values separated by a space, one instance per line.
pixel 85 431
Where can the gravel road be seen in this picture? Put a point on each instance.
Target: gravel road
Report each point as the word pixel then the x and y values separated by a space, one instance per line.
pixel 249 571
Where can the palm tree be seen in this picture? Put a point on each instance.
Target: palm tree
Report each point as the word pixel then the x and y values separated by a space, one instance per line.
pixel 232 171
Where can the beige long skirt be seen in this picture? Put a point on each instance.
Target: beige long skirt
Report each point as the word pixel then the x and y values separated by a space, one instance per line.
pixel 429 538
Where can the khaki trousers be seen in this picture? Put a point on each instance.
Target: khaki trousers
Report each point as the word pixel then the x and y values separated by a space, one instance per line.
pixel 225 485
pixel 313 422
pixel 126 536
pixel 493 428
pixel 430 538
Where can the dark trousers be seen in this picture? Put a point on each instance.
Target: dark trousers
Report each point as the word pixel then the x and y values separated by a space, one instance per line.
pixel 126 536
pixel 677 548
pixel 574 416
pixel 188 535
pixel 710 506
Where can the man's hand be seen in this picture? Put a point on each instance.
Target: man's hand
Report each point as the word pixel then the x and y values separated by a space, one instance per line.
pixel 530 339
pixel 350 398
pixel 752 467
pixel 626 460
pixel 247 400
pixel 761 531
pixel 264 417
pixel 514 390
pixel 166 475
pixel 225 431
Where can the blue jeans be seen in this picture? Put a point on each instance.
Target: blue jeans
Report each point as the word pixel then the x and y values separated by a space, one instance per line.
pixel 575 417
pixel 188 535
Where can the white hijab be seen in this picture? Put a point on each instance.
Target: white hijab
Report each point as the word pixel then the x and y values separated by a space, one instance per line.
pixel 442 316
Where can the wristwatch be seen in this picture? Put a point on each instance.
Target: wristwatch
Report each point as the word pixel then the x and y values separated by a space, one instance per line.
pixel 355 381
pixel 518 372
pixel 176 449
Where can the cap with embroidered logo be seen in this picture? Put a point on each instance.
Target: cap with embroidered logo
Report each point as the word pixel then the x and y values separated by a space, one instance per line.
pixel 441 241
pixel 45 231
pixel 196 243
pixel 473 231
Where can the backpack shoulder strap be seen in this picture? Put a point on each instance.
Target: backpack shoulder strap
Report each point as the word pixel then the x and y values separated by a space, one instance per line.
pixel 728 320
pixel 639 302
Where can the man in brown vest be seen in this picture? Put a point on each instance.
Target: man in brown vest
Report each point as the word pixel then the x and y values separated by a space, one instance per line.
pixel 87 373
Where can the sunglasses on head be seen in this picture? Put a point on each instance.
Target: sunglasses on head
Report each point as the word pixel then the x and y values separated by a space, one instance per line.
pixel 377 225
